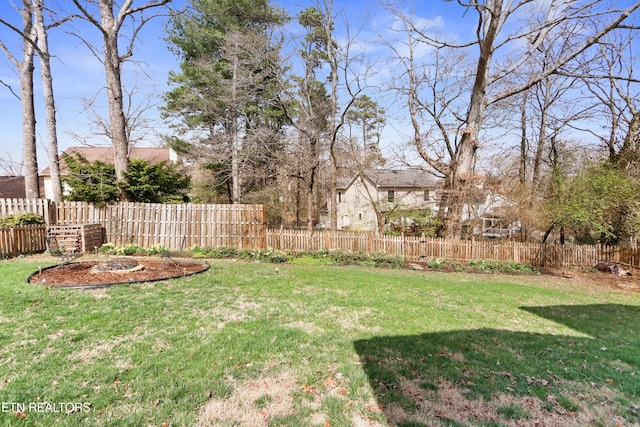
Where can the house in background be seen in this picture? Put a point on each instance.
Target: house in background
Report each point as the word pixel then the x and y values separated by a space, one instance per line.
pixel 12 187
pixel 105 154
pixel 363 200
pixel 488 214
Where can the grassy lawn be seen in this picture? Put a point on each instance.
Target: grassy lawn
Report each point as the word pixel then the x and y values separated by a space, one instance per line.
pixel 251 344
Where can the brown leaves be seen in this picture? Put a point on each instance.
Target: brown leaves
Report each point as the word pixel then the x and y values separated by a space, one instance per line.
pixel 308 389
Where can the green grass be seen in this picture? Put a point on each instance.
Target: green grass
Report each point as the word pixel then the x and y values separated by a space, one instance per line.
pixel 299 345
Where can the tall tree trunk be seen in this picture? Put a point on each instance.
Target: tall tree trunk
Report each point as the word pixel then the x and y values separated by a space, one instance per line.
pixel 542 136
pixel 311 181
pixel 461 169
pixel 235 167
pixel 112 64
pixel 49 101
pixel 522 171
pixel 235 137
pixel 26 67
pixel 333 64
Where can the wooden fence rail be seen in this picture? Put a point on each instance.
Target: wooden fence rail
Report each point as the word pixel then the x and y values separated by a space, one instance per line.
pixel 418 249
pixel 244 226
pixel 172 226
pixel 43 207
pixel 22 239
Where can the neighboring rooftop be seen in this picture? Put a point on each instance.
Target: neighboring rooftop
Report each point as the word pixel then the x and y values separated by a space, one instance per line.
pixel 12 187
pixel 395 178
pixel 105 154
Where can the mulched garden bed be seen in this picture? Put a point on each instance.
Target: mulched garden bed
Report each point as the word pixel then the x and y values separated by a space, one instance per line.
pixel 93 274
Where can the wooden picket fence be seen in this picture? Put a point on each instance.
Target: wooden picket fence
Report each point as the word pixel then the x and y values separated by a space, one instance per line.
pixel 183 226
pixel 22 239
pixel 420 249
pixel 45 208
pixel 178 226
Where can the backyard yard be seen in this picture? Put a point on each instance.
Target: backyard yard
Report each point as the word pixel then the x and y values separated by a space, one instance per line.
pixel 305 344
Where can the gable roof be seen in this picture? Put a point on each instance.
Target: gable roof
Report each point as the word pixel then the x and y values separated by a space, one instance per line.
pixel 393 178
pixel 12 187
pixel 105 154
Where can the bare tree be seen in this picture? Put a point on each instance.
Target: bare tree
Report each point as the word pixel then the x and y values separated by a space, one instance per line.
pixel 140 126
pixel 611 79
pixel 110 22
pixel 49 99
pixel 25 69
pixel 499 34
pixel 37 39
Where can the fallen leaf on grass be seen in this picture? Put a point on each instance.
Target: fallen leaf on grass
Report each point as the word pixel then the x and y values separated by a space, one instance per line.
pixel 329 382
pixel 308 388
pixel 507 373
pixel 20 414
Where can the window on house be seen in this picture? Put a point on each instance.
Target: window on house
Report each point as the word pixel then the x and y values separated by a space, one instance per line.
pixel 360 216
pixel 339 196
pixel 391 195
pixel 425 197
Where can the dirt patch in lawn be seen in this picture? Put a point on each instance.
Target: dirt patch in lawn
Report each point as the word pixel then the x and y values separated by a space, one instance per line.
pixel 93 274
pixel 252 404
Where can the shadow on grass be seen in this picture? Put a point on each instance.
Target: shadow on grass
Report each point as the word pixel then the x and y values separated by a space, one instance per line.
pixel 501 377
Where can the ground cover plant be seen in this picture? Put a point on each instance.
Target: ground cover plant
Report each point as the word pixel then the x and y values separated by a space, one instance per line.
pixel 250 344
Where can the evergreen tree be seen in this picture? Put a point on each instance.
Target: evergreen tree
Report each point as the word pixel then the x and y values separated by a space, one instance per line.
pixel 225 90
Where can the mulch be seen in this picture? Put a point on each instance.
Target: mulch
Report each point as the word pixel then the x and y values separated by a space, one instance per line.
pixel 83 274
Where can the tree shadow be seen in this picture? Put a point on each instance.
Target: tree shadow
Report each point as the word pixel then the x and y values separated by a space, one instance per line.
pixel 501 377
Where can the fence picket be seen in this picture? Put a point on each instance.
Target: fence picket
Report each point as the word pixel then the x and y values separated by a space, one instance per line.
pixel 244 226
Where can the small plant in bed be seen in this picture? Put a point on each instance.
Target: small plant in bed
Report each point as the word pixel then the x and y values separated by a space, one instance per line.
pixel 495 266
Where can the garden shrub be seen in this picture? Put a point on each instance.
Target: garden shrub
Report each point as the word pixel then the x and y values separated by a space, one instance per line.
pixel 492 265
pixel 21 219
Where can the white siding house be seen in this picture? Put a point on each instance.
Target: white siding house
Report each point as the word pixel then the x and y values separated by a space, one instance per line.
pixel 362 199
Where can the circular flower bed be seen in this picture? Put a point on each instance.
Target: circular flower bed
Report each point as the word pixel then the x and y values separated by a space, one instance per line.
pixel 98 274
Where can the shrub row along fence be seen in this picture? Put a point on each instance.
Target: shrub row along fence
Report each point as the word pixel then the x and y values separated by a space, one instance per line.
pixel 419 249
pixel 22 239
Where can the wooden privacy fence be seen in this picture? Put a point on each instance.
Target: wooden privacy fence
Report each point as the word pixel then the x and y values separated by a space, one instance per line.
pixel 45 208
pixel 22 239
pixel 184 226
pixel 173 226
pixel 419 249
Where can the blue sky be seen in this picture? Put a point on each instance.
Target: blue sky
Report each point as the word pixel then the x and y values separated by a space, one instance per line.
pixel 79 76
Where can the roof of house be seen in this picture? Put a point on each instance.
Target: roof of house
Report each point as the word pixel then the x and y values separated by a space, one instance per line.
pixel 394 178
pixel 12 187
pixel 105 154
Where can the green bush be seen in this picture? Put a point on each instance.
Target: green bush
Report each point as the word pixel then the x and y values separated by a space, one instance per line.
pixel 353 258
pixel 128 249
pixel 492 265
pixel 21 219
pixel 266 255
pixel 435 263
